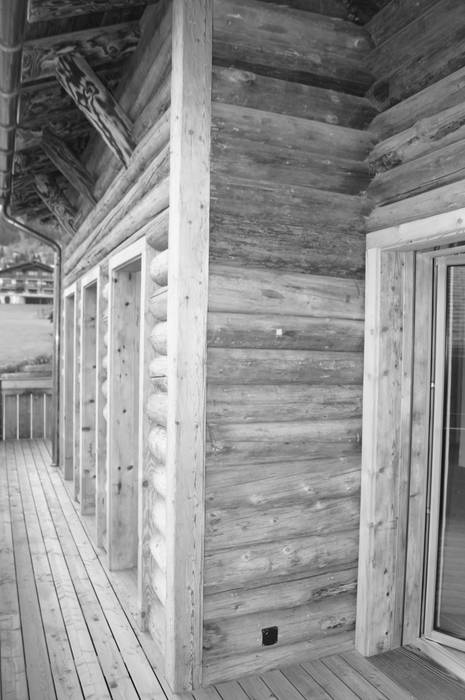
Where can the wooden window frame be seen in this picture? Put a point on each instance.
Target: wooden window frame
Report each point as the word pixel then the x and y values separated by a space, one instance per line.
pixel 134 252
pixel 68 472
pixel 396 410
pixel 89 279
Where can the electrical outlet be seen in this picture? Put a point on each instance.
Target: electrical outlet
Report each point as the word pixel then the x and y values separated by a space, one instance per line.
pixel 269 636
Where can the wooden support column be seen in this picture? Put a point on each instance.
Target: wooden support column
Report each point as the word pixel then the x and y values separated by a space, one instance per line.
pixel 97 104
pixel 68 164
pixel 55 201
pixel 187 336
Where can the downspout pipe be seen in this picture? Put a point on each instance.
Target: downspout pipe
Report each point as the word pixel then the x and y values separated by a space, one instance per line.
pixel 23 228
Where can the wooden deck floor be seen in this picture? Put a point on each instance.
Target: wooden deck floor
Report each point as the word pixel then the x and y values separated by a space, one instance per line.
pixel 64 632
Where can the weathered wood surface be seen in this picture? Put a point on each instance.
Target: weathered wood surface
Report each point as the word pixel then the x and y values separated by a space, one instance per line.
pixel 146 152
pixel 428 134
pixel 97 104
pixel 318 620
pixel 87 427
pixel 232 125
pixel 271 563
pixel 254 443
pixel 286 227
pixel 189 228
pixel 273 331
pixel 238 290
pixel 242 525
pixel 67 163
pixel 443 94
pixel 99 45
pixel 49 10
pixel 442 167
pixel 325 52
pixel 259 366
pixel 123 445
pixel 421 206
pixel 314 154
pixel 384 465
pixel 55 200
pixel 293 594
pixel 394 16
pixel 248 89
pixel 249 403
pixel 144 92
pixel 420 54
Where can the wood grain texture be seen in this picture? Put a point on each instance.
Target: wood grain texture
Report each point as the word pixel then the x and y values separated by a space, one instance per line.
pixel 97 104
pixel 55 200
pixel 87 427
pixel 187 329
pixel 445 93
pixel 273 331
pixel 239 289
pixel 420 54
pixel 387 374
pixel 99 45
pixel 394 16
pixel 283 561
pixel 326 52
pixel 66 161
pixel 257 403
pixel 252 366
pixel 248 89
pixel 49 10
pixel 286 227
pixel 427 135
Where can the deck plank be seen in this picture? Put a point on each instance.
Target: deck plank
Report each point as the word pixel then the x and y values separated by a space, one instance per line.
pixel 383 683
pixel 424 680
pixel 348 675
pixel 13 683
pixel 62 662
pixel 139 668
pixel 305 683
pixel 81 642
pixel 333 685
pixel 109 656
pixel 92 682
pixel 35 646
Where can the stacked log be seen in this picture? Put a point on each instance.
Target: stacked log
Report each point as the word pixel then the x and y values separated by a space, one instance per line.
pixel 154 477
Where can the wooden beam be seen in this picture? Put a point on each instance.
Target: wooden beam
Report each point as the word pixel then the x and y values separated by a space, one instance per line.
pixel 98 105
pixel 55 201
pixel 50 10
pixel 99 45
pixel 187 337
pixel 68 164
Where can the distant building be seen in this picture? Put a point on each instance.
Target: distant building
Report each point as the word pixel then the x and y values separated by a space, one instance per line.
pixel 26 283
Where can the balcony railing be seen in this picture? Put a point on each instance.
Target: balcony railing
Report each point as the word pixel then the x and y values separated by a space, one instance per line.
pixel 26 404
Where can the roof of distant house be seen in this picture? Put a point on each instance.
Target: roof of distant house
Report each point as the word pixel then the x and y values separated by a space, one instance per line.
pixel 26 266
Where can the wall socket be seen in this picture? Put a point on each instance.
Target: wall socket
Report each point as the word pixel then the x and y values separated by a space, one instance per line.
pixel 269 636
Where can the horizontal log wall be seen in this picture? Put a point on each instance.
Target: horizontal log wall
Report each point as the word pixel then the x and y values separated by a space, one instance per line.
pixel 285 329
pixel 419 65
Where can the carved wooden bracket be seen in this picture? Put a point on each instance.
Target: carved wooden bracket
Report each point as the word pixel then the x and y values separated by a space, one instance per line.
pixel 68 164
pixel 96 102
pixel 55 200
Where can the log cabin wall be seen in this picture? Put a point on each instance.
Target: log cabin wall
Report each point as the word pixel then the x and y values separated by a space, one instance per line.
pixel 418 63
pixel 132 203
pixel 285 332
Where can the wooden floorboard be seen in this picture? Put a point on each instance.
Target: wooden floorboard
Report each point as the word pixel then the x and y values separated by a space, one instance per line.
pixel 66 631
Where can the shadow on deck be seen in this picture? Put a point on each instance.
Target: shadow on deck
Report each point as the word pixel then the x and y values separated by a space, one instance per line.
pixel 65 632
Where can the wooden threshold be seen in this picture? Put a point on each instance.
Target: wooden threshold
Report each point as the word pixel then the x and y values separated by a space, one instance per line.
pixel 66 630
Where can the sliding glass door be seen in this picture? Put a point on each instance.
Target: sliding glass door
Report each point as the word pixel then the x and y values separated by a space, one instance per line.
pixel 445 580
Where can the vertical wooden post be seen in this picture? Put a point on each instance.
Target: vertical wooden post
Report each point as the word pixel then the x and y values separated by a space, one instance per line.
pixel 187 333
